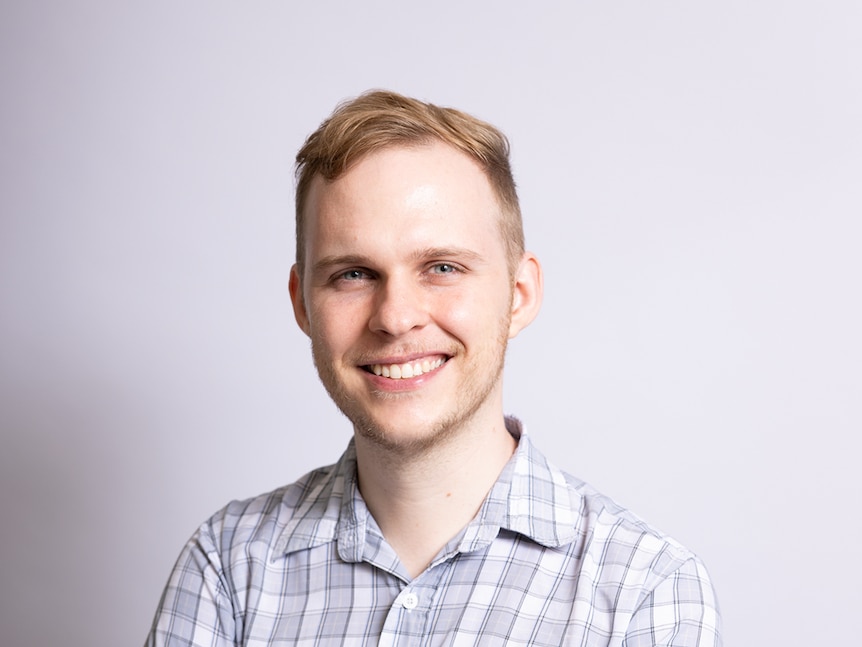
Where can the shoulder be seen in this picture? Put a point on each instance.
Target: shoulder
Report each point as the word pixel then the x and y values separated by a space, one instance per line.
pixel 662 587
pixel 621 537
pixel 260 520
pixel 661 590
pixel 611 543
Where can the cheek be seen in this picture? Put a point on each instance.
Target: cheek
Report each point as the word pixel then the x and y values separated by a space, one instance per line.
pixel 473 314
pixel 337 324
pixel 457 316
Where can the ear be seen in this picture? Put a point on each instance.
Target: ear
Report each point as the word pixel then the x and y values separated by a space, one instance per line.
pixel 526 293
pixel 298 300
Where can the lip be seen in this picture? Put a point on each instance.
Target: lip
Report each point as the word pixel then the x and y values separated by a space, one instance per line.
pixel 390 385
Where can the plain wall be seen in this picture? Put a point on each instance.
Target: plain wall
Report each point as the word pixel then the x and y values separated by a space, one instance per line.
pixel 690 177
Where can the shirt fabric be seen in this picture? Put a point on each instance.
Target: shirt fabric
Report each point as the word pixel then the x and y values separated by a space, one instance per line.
pixel 546 561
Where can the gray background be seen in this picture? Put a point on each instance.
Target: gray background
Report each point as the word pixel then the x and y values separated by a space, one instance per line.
pixel 690 177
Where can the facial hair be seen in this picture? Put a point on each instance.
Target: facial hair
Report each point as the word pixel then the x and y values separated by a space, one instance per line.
pixel 482 373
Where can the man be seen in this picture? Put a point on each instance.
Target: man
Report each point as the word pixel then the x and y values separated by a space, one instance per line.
pixel 441 524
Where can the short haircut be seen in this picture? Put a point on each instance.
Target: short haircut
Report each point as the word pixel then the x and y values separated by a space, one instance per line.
pixel 380 119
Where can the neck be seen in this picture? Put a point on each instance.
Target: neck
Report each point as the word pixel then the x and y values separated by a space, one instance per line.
pixel 421 501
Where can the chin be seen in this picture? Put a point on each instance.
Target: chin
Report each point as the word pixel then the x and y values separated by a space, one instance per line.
pixel 405 438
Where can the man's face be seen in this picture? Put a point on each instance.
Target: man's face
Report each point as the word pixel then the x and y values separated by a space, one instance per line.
pixel 406 294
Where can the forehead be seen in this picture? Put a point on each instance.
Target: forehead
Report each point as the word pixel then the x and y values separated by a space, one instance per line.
pixel 433 161
pixel 400 195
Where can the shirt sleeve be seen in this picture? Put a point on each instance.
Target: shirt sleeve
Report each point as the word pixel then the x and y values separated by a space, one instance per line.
pixel 196 608
pixel 682 611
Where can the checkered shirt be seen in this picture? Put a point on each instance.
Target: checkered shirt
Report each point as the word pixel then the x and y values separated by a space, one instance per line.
pixel 546 561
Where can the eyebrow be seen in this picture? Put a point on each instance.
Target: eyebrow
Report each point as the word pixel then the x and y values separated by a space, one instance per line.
pixel 428 253
pixel 328 262
pixel 461 253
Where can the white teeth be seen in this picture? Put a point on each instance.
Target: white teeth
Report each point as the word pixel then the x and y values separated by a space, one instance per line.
pixel 406 371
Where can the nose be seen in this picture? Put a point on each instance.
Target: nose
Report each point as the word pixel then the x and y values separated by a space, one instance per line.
pixel 400 305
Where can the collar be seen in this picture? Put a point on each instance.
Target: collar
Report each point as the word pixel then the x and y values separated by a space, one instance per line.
pixel 531 497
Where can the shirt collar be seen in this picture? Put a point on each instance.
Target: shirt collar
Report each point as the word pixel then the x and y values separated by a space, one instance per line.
pixel 315 519
pixel 531 497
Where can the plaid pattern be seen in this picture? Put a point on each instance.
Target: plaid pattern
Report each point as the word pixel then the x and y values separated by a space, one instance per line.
pixel 547 561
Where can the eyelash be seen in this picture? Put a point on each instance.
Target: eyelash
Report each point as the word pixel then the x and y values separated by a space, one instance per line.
pixel 357 274
pixel 453 269
pixel 346 275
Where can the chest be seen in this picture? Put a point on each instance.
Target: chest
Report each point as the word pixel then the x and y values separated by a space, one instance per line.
pixel 512 593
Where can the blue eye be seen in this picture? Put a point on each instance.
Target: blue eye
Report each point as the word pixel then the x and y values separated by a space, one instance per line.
pixel 445 268
pixel 352 275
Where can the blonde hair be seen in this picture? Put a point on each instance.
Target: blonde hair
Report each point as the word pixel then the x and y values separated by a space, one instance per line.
pixel 379 119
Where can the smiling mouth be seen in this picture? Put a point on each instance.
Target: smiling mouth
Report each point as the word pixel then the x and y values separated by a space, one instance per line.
pixel 406 370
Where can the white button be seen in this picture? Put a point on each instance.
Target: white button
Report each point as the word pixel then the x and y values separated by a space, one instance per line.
pixel 410 601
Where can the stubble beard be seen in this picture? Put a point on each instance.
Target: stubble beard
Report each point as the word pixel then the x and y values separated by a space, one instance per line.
pixel 473 393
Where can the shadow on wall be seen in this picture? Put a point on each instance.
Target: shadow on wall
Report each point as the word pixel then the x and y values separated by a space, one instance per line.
pixel 74 515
